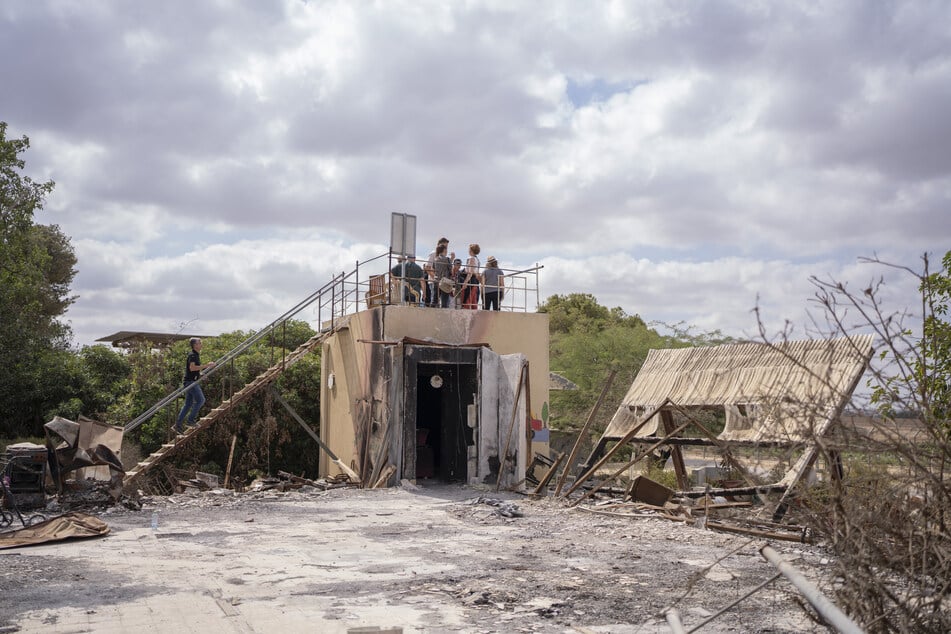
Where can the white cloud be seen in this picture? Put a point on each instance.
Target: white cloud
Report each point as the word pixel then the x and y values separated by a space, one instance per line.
pixel 219 161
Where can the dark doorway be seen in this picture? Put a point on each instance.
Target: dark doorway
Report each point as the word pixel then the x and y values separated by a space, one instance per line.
pixel 437 408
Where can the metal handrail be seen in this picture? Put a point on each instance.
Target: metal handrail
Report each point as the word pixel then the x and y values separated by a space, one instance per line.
pixel 341 295
pixel 234 352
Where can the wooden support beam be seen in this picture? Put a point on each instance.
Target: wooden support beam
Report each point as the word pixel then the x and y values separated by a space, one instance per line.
pixel 529 432
pixel 724 449
pixel 706 442
pixel 569 465
pixel 234 440
pixel 384 476
pixel 607 456
pixel 675 453
pixel 631 463
pixel 755 490
pixel 300 421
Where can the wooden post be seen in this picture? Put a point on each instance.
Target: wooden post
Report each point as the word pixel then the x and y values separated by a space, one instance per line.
pixel 676 454
pixel 354 477
pixel 584 430
pixel 529 432
pixel 631 463
pixel 607 456
pixel 384 476
pixel 234 439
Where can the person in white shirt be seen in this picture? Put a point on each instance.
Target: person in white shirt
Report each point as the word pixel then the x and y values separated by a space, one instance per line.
pixel 470 294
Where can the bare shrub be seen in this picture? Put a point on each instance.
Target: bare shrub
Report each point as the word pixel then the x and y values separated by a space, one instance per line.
pixel 887 516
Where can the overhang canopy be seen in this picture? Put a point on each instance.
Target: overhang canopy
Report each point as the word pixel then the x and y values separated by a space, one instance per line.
pixel 770 392
pixel 130 338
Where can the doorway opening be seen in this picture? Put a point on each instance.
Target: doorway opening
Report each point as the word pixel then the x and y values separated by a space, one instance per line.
pixel 440 408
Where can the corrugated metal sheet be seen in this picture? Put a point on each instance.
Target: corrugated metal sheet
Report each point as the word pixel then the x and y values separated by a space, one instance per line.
pixel 769 391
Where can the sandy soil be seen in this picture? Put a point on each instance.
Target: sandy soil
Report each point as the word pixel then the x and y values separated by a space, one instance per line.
pixel 432 559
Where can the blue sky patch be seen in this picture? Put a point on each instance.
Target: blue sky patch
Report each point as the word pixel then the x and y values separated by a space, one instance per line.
pixel 597 90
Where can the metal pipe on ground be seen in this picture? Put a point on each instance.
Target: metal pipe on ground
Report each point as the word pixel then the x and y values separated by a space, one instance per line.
pixel 673 620
pixel 829 611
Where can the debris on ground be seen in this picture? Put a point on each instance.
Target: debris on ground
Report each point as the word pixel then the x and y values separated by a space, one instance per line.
pixel 503 508
pixel 437 558
pixel 290 482
pixel 67 526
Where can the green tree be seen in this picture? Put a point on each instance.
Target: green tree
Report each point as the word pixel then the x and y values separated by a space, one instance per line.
pixel 587 341
pixel 934 367
pixel 577 312
pixel 91 382
pixel 37 266
pixel 919 382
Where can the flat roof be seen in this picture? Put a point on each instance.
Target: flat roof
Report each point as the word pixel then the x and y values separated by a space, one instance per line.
pixel 129 338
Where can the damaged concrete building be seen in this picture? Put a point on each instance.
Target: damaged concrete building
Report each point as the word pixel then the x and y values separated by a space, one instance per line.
pixel 455 395
pixel 406 392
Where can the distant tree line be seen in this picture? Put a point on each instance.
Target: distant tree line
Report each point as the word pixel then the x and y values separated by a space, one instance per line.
pixel 589 340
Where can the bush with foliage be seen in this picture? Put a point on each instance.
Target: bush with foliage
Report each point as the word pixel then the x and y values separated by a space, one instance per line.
pixel 890 526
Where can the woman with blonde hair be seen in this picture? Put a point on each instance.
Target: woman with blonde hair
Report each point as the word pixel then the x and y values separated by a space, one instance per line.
pixel 470 293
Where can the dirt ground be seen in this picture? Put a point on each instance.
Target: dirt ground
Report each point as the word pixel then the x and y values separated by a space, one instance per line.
pixel 437 558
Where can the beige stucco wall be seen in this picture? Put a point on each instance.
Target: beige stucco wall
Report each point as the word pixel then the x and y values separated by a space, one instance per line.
pixel 356 350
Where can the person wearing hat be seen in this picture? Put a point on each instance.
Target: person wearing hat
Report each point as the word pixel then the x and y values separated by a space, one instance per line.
pixel 412 276
pixel 493 285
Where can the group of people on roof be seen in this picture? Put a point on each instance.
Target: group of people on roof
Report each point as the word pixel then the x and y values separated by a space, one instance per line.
pixel 445 282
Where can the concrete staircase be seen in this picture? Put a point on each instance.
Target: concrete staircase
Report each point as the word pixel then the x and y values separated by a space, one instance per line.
pixel 257 384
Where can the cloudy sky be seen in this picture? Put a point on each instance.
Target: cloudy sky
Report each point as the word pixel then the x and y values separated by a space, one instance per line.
pixel 217 161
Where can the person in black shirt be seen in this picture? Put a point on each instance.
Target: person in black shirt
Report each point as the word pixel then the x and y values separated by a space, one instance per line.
pixel 194 397
pixel 442 267
pixel 407 270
